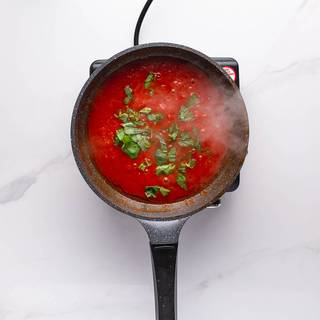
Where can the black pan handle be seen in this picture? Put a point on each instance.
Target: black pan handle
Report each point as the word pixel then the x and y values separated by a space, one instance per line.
pixel 164 258
pixel 164 236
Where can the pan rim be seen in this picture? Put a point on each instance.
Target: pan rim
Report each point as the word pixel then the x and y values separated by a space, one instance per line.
pixel 76 151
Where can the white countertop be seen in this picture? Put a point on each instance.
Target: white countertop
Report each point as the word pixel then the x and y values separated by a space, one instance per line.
pixel 66 255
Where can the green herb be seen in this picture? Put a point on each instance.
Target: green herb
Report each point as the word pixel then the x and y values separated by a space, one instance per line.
pixel 165 169
pixel 181 181
pixel 151 191
pixel 182 169
pixel 161 156
pixel 126 139
pixel 142 141
pixel 173 131
pixel 155 117
pixel 163 144
pixel 119 136
pixel 145 164
pixel 186 140
pixel 172 154
pixel 122 137
pixel 149 79
pixel 193 100
pixel 133 115
pixel 185 114
pixel 122 116
pixel 133 139
pixel 131 148
pixel 139 123
pixel 128 124
pixel 189 164
pixel 164 191
pixel 197 144
pixel 132 130
pixel 129 95
pixel 129 115
pixel 145 110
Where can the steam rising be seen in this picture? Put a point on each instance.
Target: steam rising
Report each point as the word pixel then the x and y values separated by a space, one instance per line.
pixel 224 118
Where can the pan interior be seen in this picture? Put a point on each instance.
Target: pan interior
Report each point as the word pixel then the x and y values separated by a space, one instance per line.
pixel 232 161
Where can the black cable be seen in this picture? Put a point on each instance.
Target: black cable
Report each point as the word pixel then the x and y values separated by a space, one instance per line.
pixel 139 22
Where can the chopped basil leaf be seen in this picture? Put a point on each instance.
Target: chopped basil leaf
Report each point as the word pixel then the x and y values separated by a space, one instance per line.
pixel 127 124
pixel 173 131
pixel 128 91
pixel 172 154
pixel 119 135
pixel 165 169
pixel 139 123
pixel 133 139
pixel 155 117
pixel 191 163
pixel 181 181
pixel 131 130
pixel 145 110
pixel 150 77
pixel 129 95
pixel 122 116
pixel 185 114
pixel 151 191
pixel 126 139
pixel 126 100
pixel 161 156
pixel 131 148
pixel 129 115
pixel 142 141
pixel 133 115
pixel 184 165
pixel 185 140
pixel 145 164
pixel 122 137
pixel 197 144
pixel 182 168
pixel 193 100
pixel 163 144
pixel 164 191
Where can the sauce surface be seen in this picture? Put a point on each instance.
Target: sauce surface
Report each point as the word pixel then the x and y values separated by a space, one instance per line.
pixel 157 130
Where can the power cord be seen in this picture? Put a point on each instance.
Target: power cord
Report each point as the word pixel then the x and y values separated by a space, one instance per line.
pixel 139 22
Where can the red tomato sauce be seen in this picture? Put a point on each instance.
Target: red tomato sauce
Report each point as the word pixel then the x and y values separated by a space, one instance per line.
pixel 175 81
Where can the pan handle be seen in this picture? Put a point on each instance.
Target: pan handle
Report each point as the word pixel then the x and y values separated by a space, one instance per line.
pixel 164 236
pixel 164 257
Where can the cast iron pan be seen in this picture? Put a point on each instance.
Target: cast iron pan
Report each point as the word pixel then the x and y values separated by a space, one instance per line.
pixel 162 222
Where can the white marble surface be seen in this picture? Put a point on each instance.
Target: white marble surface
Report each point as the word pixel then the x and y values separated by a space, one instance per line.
pixel 66 255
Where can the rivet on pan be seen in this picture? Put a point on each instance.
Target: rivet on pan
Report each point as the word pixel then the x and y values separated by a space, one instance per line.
pixel 216 204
